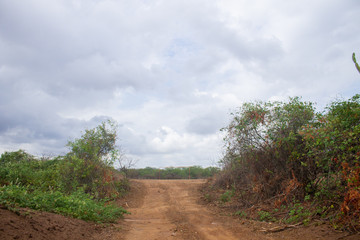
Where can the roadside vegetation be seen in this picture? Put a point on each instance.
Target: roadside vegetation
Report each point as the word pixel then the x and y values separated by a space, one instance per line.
pixel 80 184
pixel 194 172
pixel 286 162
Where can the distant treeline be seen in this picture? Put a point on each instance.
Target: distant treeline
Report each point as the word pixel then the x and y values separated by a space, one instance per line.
pixel 193 172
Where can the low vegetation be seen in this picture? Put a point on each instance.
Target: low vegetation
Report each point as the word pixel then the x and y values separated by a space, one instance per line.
pixel 79 184
pixel 287 162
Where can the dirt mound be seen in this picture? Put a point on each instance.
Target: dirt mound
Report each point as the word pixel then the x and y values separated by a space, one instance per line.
pixel 30 224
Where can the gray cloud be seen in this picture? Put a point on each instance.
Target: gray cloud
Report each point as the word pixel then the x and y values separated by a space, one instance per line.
pixel 168 71
pixel 206 124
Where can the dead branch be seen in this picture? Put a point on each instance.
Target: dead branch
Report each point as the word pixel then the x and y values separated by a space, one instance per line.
pixel 279 228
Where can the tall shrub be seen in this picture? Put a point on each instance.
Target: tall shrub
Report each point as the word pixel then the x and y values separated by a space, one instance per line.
pixel 260 141
pixel 89 163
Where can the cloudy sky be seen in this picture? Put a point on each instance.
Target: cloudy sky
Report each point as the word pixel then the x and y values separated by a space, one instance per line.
pixel 168 71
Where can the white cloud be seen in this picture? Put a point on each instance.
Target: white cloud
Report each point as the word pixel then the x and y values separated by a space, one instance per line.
pixel 168 140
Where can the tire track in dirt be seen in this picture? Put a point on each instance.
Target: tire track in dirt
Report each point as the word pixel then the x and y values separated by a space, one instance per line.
pixel 150 221
pixel 170 210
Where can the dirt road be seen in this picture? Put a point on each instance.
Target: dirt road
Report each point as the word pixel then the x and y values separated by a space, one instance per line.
pixel 170 210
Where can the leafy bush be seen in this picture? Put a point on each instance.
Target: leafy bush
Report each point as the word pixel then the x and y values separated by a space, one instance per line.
pixel 89 163
pixel 21 167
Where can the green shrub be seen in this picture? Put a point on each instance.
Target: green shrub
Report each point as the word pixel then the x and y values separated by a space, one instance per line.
pixel 89 163
pixel 23 168
pixel 78 204
pixel 226 196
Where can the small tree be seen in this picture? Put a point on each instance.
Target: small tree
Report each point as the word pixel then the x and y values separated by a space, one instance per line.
pixel 89 163
pixel 97 145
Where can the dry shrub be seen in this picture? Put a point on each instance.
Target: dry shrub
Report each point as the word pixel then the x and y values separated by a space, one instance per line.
pixel 351 204
pixel 285 152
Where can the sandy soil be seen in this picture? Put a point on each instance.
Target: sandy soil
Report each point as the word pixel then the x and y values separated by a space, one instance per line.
pixel 160 209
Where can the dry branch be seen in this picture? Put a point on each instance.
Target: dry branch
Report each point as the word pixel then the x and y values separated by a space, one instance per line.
pixel 279 228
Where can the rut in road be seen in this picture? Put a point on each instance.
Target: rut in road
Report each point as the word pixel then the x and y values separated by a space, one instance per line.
pixel 170 210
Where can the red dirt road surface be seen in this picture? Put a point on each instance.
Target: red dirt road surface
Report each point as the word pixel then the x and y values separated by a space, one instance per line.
pixel 172 209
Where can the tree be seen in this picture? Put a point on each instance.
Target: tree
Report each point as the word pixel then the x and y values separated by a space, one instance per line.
pixel 97 144
pixel 89 163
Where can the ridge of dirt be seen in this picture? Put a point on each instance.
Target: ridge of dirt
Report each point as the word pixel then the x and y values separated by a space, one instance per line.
pixel 134 198
pixel 30 224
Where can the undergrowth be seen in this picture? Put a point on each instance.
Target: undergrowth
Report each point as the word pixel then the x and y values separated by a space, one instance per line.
pixel 80 184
